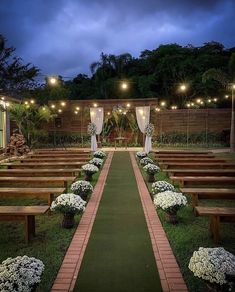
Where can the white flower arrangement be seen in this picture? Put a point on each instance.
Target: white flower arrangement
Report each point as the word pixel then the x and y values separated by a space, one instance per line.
pixel 20 273
pixel 99 154
pixel 68 204
pixel 213 264
pixel 149 130
pixel 170 201
pixel 96 161
pixel 161 186
pixel 141 154
pixel 91 129
pixel 151 168
pixel 82 188
pixel 90 168
pixel 145 161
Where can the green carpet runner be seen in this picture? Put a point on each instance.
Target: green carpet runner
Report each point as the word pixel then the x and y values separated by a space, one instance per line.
pixel 119 256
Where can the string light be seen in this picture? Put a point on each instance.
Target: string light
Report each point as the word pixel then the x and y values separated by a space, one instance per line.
pixel 52 106
pixel 95 104
pixel 108 113
pixel 157 109
pixel 2 98
pixel 63 103
pixel 59 110
pixel 78 108
pixel 162 103
pixel 174 107
pixel 75 112
pixel 32 101
pixel 128 105
pixel 226 96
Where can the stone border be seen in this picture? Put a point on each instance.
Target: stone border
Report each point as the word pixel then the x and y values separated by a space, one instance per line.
pixel 66 278
pixel 168 269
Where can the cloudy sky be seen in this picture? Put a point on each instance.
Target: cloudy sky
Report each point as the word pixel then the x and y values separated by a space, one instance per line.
pixel 65 36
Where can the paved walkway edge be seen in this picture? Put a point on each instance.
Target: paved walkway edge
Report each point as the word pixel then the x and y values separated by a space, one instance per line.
pixel 68 273
pixel 169 272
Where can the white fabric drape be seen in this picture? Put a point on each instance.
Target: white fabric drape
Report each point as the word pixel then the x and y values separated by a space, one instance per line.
pixel 97 117
pixel 143 117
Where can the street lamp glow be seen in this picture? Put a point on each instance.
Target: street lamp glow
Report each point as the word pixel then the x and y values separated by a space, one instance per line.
pixel 233 86
pixel 59 110
pixel 63 103
pixel 188 105
pixel 124 86
pixel 215 99
pixel 128 105
pixel 192 104
pixel 52 106
pixel 209 100
pixel 95 104
pixel 77 108
pixel 108 113
pixel 2 98
pixel 163 103
pixel 26 102
pixel 183 87
pixel 226 96
pixel 32 101
pixel 75 112
pixel 53 80
pixel 199 100
pixel 174 107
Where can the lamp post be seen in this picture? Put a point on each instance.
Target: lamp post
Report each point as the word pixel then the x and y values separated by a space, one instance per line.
pixel 183 88
pixel 232 130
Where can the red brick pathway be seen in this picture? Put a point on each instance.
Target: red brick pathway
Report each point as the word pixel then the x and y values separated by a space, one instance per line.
pixel 169 272
pixel 67 275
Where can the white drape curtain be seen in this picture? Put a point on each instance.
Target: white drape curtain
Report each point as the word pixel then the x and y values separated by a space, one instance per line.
pixel 143 117
pixel 97 117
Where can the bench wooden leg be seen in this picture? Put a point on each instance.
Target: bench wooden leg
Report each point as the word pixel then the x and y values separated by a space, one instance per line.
pixel 29 227
pixel 194 202
pixel 214 227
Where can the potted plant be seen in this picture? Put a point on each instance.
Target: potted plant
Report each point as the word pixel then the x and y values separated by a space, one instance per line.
pixel 96 161
pixel 161 186
pixel 151 170
pixel 214 265
pixel 21 273
pixel 99 154
pixel 146 160
pixel 82 188
pixel 89 170
pixel 170 202
pixel 141 154
pixel 68 205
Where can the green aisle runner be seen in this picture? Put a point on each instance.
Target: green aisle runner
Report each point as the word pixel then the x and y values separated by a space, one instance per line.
pixel 119 256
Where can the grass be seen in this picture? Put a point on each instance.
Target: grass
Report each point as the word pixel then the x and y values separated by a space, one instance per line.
pixel 119 256
pixel 49 245
pixel 193 232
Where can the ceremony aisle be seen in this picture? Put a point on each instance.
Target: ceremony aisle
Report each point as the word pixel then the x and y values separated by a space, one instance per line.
pixel 119 255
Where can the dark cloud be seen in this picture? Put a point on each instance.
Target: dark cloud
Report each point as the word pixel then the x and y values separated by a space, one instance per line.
pixel 65 36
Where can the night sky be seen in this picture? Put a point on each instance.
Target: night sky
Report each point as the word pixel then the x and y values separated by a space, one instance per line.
pixel 65 36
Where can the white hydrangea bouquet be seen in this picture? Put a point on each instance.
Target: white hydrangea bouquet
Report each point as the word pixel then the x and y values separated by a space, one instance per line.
pixel 151 168
pixel 82 188
pixel 170 202
pixel 145 161
pixel 22 273
pixel 141 154
pixel 97 162
pixel 149 130
pixel 99 154
pixel 161 186
pixel 215 265
pixel 89 169
pixel 68 204
pixel 91 129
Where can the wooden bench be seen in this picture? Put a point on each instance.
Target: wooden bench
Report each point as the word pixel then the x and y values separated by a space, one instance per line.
pixel 44 165
pixel 78 155
pixel 67 159
pixel 190 159
pixel 183 155
pixel 41 172
pixel 216 215
pixel 208 193
pixel 32 181
pixel 60 151
pixel 211 180
pixel 47 193
pixel 181 152
pixel 23 213
pixel 196 165
pixel 200 172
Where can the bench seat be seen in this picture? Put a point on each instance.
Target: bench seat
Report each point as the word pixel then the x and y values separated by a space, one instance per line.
pixel 211 180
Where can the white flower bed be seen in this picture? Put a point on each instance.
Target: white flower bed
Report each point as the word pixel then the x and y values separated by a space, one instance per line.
pixel 96 161
pixel 161 186
pixel 20 274
pixel 169 201
pixel 145 161
pixel 151 168
pixel 90 168
pixel 68 203
pixel 141 154
pixel 82 187
pixel 99 154
pixel 212 264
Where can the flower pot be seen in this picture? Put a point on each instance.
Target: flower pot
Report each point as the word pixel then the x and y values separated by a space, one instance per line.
pixel 68 221
pixel 88 177
pixel 150 177
pixel 171 218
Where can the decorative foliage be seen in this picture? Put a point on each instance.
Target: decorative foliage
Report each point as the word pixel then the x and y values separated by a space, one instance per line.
pixel 20 273
pixel 213 264
pixel 161 186
pixel 99 154
pixel 96 161
pixel 170 201
pixel 149 130
pixel 151 168
pixel 90 168
pixel 68 203
pixel 145 161
pixel 91 129
pixel 82 188
pixel 141 154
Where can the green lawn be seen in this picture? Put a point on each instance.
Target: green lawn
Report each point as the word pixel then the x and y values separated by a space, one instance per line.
pixel 192 233
pixel 49 245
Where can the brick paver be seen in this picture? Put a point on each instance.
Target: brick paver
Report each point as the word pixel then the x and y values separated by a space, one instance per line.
pixel 67 275
pixel 169 272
